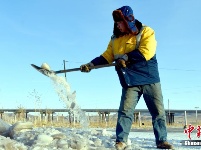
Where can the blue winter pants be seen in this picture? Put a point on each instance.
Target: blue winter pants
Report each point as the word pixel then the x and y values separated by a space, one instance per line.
pixel 152 95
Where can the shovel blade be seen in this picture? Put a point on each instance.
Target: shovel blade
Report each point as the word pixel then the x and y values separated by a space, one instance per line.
pixel 43 71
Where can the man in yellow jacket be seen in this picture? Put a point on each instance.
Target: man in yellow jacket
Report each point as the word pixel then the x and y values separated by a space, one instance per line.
pixel 133 48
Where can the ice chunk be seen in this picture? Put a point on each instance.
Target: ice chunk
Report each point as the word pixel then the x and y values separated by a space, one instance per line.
pixel 19 127
pixel 44 139
pixel 4 128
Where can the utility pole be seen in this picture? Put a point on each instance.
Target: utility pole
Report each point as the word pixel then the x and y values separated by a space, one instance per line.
pixel 169 111
pixel 65 66
pixel 169 106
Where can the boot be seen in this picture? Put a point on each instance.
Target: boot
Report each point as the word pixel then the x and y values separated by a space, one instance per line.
pixel 120 145
pixel 164 145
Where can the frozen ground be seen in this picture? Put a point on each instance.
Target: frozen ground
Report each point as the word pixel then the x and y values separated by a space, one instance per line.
pixel 27 138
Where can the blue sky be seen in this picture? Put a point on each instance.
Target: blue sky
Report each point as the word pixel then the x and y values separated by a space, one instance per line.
pixel 78 31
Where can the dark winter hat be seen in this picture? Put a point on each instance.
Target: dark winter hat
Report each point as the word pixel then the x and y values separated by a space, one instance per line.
pixel 125 14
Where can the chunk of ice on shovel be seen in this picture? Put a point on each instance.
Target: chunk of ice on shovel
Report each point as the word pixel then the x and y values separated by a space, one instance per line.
pixel 44 69
pixel 45 66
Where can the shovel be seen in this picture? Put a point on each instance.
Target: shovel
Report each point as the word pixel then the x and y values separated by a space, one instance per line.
pixel 50 72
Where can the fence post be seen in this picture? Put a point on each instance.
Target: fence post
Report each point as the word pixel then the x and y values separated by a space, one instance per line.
pixel 185 117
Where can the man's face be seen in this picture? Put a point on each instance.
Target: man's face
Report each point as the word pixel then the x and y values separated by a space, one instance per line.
pixel 121 26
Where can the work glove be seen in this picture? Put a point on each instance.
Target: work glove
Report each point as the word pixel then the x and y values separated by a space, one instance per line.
pixel 86 67
pixel 121 62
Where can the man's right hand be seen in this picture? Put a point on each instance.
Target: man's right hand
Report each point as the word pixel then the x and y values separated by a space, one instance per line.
pixel 86 67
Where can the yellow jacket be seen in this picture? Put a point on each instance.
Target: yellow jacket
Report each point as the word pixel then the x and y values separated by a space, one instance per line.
pixel 127 43
pixel 142 67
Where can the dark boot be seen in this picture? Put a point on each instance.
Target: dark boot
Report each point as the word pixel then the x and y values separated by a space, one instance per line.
pixel 164 145
pixel 120 146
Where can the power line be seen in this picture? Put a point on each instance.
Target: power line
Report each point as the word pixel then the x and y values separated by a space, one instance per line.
pixel 75 62
pixel 175 69
pixel 184 88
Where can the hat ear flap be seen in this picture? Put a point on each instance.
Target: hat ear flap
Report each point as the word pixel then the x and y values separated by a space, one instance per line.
pixel 117 15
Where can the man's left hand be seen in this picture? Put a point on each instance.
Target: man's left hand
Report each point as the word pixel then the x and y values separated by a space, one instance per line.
pixel 121 63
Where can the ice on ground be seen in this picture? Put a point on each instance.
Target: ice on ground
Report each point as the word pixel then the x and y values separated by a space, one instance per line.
pixel 55 138
pixel 23 136
pixel 51 138
pixel 19 127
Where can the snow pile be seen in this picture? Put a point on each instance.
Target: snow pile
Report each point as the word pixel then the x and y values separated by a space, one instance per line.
pixel 56 138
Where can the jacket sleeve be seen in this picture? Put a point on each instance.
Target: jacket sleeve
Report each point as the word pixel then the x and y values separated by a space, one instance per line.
pixel 106 58
pixel 99 61
pixel 147 47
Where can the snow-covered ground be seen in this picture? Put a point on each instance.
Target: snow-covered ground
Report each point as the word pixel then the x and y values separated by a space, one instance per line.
pixel 24 137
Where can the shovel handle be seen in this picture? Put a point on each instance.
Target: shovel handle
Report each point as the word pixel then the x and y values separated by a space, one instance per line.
pixel 78 69
pixel 102 66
